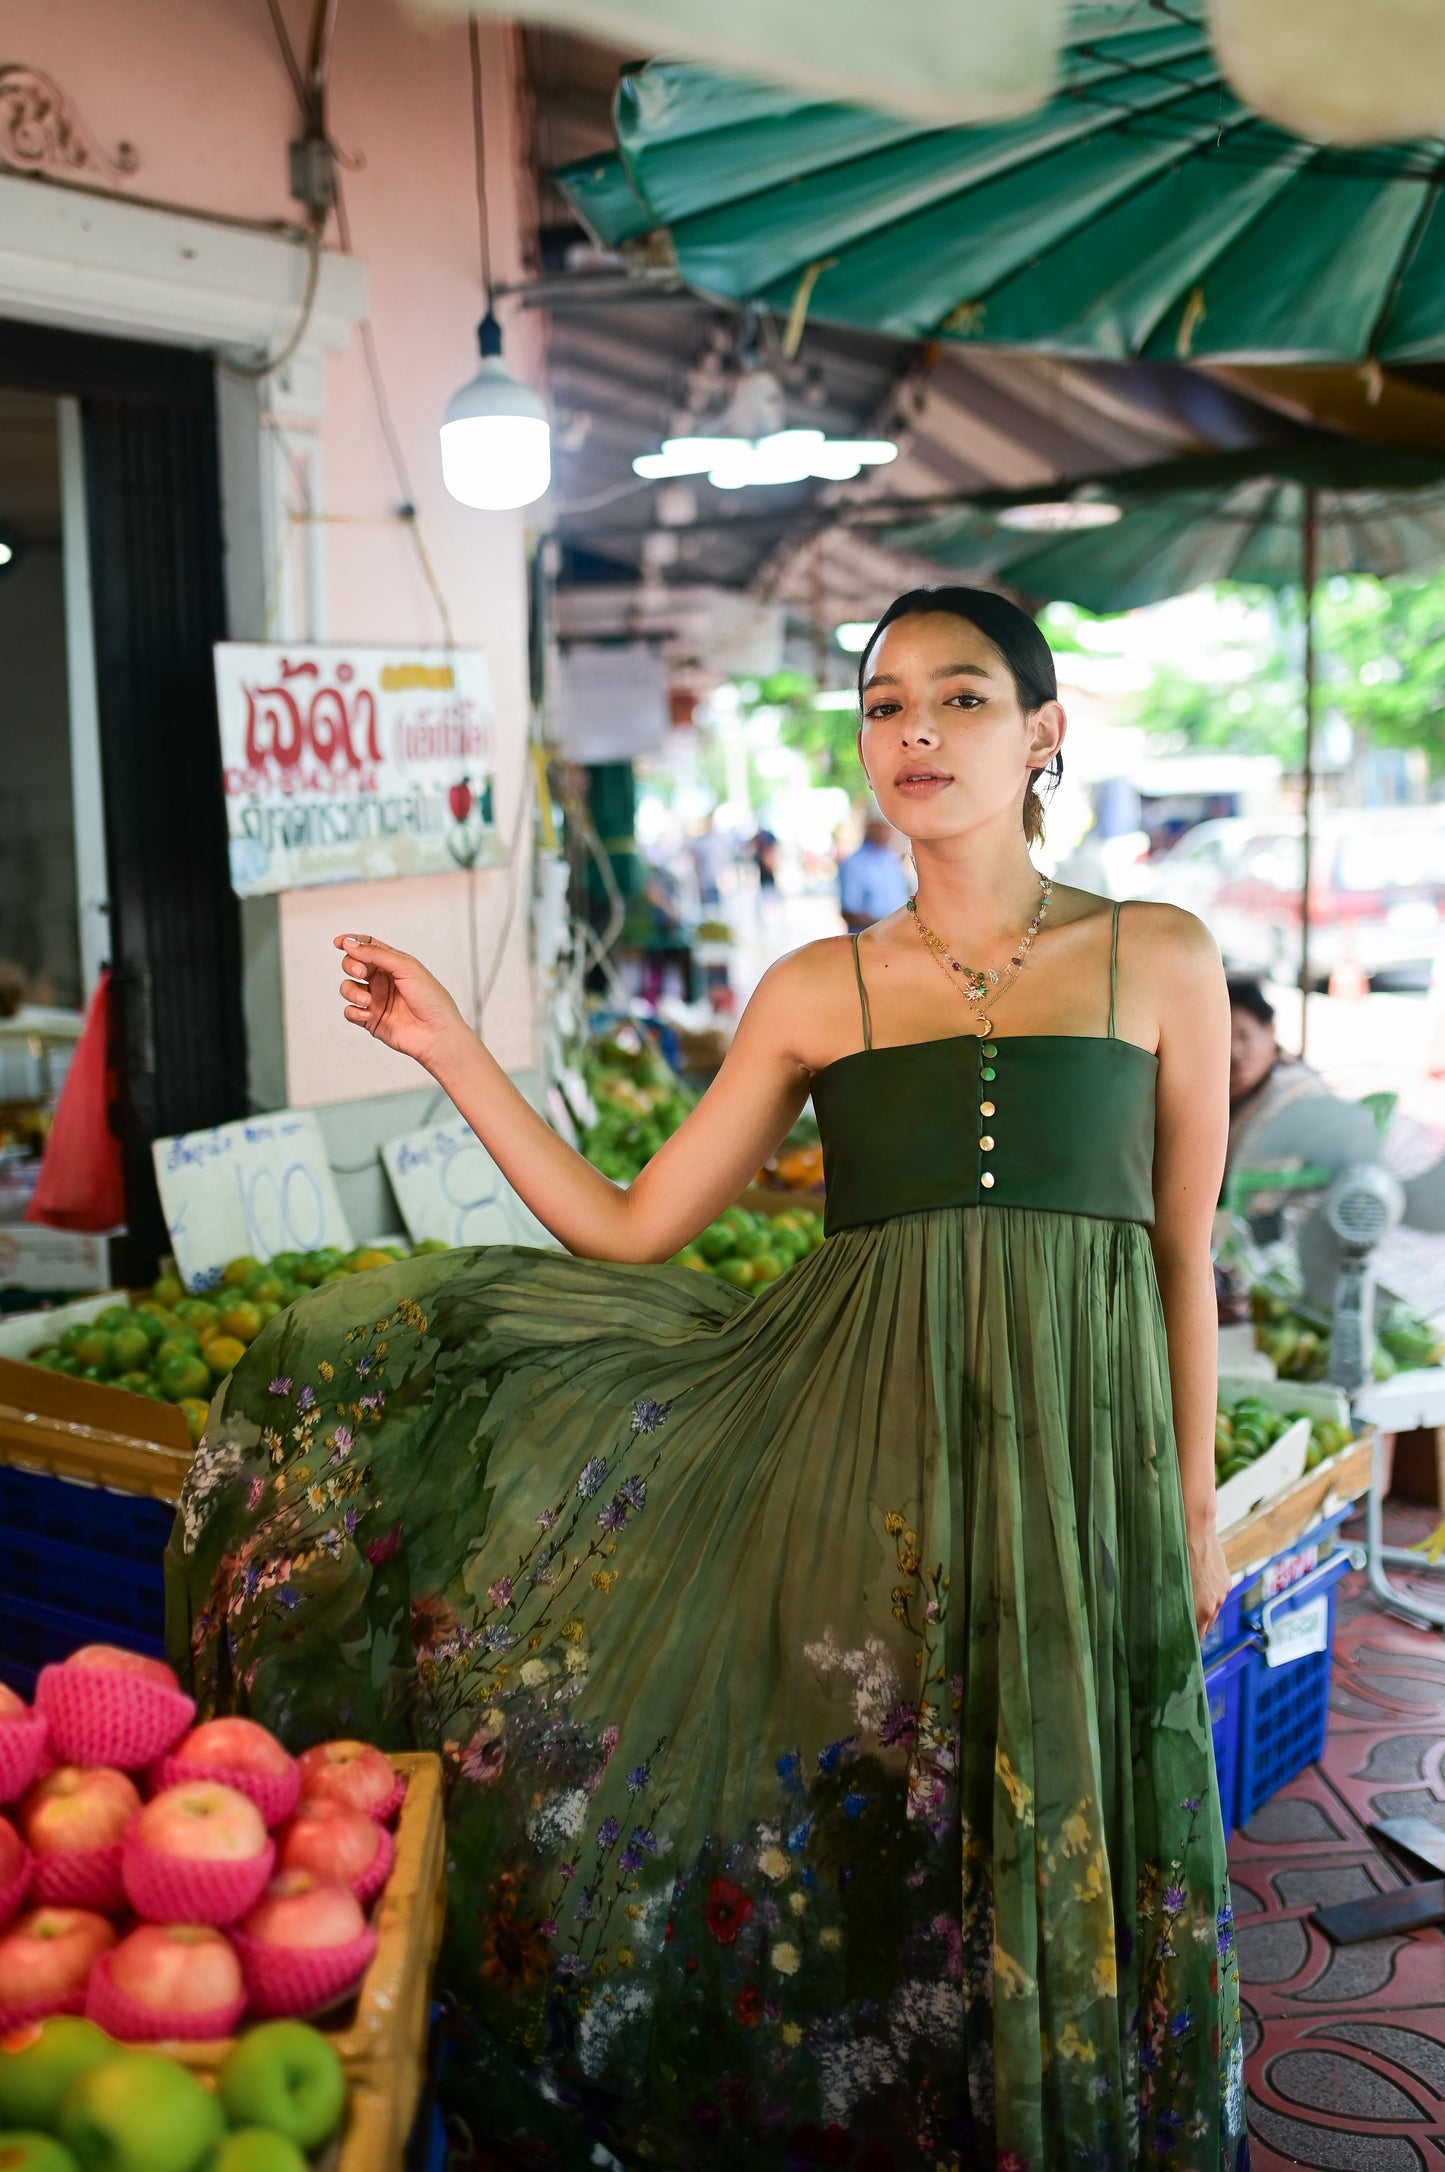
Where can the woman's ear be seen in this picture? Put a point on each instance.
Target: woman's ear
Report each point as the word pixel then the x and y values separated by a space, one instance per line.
pixel 1046 735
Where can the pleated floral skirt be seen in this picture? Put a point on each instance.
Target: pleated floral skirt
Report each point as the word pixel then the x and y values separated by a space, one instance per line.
pixel 816 1679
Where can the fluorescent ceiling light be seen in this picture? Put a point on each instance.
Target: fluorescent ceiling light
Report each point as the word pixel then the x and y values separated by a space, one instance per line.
pixel 783 456
pixel 1061 516
pixel 853 635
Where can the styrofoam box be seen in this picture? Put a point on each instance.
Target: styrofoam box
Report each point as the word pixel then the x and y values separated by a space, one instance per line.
pixel 1283 1465
pixel 22 1332
pixel 1268 1476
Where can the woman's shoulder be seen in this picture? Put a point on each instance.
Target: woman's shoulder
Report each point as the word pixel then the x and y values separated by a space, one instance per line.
pixel 1168 931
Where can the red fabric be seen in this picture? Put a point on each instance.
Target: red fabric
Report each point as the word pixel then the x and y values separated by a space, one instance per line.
pixel 13 1894
pixel 274 1794
pixel 81 1878
pixel 81 1183
pixel 22 1746
pixel 176 1889
pixel 129 2022
pixel 293 1980
pixel 102 1716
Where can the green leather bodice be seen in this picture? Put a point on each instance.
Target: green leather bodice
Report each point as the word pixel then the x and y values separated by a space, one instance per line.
pixel 1058 1122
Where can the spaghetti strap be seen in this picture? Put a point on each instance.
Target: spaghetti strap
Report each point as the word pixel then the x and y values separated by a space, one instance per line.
pixel 1114 972
pixel 862 996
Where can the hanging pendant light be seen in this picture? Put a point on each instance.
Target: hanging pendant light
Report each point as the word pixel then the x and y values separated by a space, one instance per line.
pixel 496 441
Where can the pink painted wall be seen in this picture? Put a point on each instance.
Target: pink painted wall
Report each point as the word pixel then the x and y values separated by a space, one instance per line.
pixel 201 93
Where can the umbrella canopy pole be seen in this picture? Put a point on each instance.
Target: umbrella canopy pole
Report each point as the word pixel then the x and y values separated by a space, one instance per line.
pixel 1310 556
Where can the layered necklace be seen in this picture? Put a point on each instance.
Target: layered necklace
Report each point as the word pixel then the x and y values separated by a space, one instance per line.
pixel 980 988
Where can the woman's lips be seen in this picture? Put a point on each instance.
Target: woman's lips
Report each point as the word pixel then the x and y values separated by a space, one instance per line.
pixel 921 784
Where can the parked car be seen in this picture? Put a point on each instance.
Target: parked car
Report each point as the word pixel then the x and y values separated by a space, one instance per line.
pixel 1377 891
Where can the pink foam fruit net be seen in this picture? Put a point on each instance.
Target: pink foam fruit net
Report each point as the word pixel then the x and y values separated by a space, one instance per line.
pixel 273 1793
pixel 22 1746
pixel 101 1716
pixel 286 1981
pixel 82 1878
pixel 126 2019
pixel 176 1889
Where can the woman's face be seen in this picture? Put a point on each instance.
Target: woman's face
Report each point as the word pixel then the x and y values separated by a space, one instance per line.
pixel 944 740
pixel 1252 1050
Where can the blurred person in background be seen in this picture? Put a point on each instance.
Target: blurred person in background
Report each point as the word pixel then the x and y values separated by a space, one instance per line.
pixel 871 881
pixel 710 852
pixel 1262 1078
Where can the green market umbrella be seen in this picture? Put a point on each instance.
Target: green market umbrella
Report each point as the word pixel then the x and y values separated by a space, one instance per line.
pixel 1142 211
pixel 1285 516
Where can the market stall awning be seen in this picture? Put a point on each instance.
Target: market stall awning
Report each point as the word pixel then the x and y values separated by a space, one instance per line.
pixel 1137 536
pixel 1142 210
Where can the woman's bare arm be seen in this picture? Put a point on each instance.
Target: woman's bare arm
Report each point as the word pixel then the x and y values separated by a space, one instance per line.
pixel 742 1118
pixel 1178 961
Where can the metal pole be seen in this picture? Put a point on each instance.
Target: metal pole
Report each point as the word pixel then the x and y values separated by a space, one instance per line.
pixel 1310 555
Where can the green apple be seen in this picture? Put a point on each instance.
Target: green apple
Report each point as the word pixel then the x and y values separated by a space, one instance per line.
pixel 38 2063
pixel 286 2076
pixel 139 2113
pixel 255 2149
pixel 29 2152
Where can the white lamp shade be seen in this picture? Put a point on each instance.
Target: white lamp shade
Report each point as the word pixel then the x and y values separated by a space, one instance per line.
pixel 496 443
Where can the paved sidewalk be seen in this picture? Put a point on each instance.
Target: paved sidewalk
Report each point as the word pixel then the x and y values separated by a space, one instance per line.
pixel 1346 2045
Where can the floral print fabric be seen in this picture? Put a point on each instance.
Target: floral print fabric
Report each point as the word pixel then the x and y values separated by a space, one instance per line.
pixel 816 1678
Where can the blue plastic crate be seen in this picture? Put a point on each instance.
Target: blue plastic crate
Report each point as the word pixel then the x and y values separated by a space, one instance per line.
pixel 1225 1634
pixel 127 1595
pixel 1224 1688
pixel 126 1524
pixel 35 1636
pixel 1285 1709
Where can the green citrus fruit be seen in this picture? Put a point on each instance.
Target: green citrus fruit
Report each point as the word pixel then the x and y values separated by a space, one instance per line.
pixel 183 1375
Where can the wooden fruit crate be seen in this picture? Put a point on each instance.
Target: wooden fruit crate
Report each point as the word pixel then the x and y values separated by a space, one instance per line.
pixel 88 1430
pixel 1276 1526
pixel 383 2044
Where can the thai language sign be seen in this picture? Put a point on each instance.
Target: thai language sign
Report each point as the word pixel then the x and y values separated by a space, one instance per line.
pixel 353 764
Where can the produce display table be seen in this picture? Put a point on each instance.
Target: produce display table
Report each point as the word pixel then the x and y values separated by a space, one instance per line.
pixel 1276 1526
pixel 383 2046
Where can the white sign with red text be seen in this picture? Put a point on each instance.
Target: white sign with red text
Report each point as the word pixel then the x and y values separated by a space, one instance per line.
pixel 354 764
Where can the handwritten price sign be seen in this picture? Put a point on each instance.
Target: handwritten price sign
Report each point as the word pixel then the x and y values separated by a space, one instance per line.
pixel 448 1187
pixel 260 1187
pixel 348 765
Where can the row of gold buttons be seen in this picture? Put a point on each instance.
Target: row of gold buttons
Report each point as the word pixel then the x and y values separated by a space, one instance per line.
pixel 986 1108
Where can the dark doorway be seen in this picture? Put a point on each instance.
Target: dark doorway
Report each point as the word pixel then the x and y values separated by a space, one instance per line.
pixel 153 502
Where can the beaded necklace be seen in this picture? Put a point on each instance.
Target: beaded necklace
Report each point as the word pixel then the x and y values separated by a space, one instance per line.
pixel 977 986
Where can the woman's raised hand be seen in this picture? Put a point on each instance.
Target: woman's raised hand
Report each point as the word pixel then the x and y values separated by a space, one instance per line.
pixel 396 1000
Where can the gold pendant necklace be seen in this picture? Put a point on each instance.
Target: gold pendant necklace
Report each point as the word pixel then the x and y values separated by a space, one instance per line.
pixel 974 986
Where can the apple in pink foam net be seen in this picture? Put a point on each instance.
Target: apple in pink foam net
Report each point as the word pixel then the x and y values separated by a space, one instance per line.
pixel 233 1745
pixel 77 1808
pixel 299 1910
pixel 203 1822
pixel 349 1772
pixel 177 1968
pixel 47 1955
pixel 12 1853
pixel 11 1706
pixel 330 1839
pixel 111 1659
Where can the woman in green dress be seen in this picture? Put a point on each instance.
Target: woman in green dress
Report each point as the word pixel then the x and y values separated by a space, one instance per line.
pixel 816 1671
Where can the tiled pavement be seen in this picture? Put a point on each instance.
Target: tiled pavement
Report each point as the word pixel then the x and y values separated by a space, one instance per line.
pixel 1346 2045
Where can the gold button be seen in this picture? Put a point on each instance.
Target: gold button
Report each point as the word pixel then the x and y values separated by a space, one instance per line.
pixel 985 1144
pixel 986 1179
pixel 985 1108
